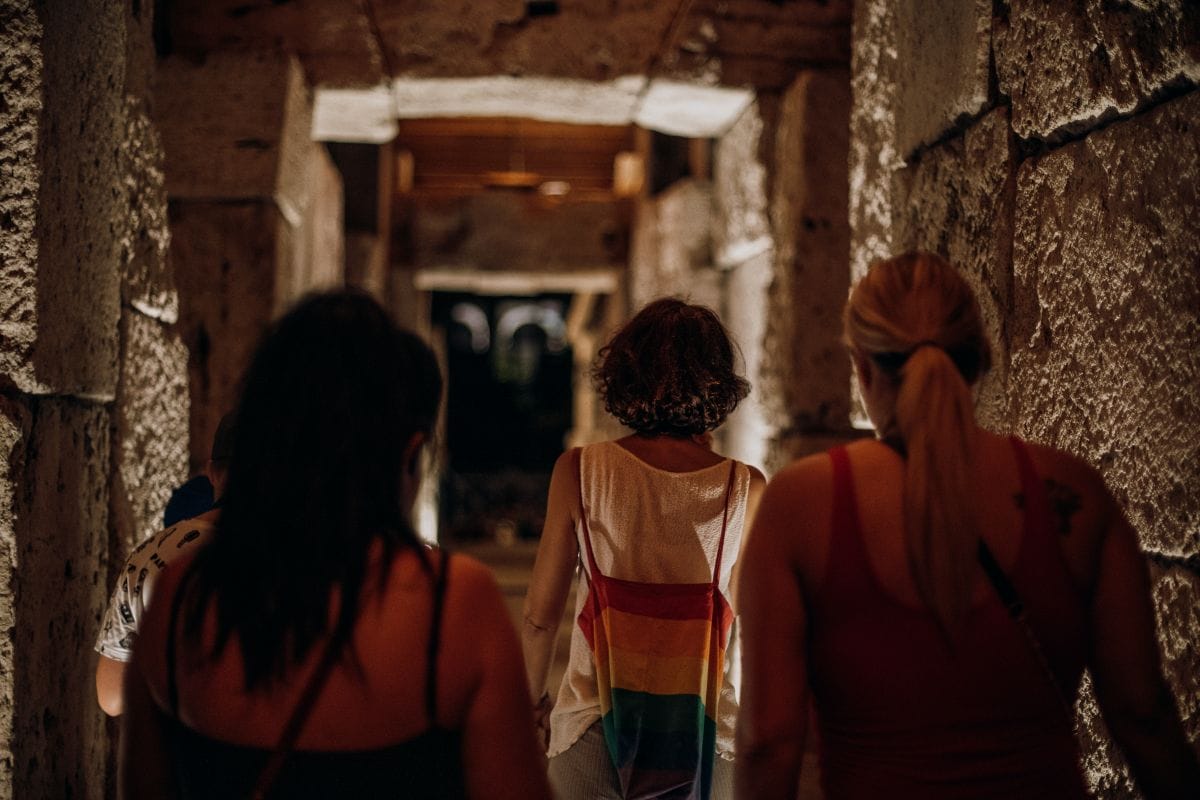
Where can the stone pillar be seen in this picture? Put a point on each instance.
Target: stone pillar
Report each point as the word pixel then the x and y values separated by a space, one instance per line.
pixel 91 433
pixel 812 271
pixel 1056 165
pixel 744 248
pixel 256 212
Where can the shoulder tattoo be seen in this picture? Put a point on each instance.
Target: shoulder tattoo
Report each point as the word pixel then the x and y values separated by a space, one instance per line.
pixel 1064 502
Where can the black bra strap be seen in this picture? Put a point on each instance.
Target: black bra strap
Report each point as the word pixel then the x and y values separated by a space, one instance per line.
pixel 435 637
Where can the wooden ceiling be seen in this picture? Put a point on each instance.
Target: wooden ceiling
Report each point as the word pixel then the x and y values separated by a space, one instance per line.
pixel 459 157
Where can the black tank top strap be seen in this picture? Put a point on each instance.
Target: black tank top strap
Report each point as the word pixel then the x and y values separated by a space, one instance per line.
pixel 435 637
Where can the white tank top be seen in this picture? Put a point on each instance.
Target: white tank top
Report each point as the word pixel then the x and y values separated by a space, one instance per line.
pixel 652 526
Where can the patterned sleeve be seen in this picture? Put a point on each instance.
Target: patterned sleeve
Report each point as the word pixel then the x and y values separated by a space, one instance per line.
pixel 118 629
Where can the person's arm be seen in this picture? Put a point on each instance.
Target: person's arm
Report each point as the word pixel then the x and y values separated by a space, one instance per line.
pixel 1134 698
pixel 550 581
pixel 501 759
pixel 110 680
pixel 118 630
pixel 773 715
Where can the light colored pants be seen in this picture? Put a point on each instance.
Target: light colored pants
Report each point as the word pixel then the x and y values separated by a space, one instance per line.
pixel 585 771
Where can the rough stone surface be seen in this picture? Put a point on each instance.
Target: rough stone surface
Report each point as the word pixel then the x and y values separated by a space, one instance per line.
pixel 1176 588
pixel 752 426
pixel 741 225
pixel 226 299
pixel 346 43
pixel 942 53
pixel 58 744
pixel 1067 66
pixel 233 125
pixel 502 230
pixel 873 155
pixel 20 85
pixel 312 250
pixel 812 238
pixel 14 429
pixel 960 204
pixel 1106 322
pixel 148 283
pixel 150 427
pixel 671 251
pixel 60 261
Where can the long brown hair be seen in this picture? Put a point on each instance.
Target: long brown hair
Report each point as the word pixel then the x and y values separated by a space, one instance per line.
pixel 916 318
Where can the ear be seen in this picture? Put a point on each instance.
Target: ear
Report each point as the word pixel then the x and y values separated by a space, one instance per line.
pixel 412 452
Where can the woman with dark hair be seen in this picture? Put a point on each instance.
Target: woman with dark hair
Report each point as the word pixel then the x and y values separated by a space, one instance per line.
pixel 315 647
pixel 655 519
pixel 940 590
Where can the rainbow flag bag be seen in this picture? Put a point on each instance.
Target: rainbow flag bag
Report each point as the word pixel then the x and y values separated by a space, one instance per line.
pixel 659 655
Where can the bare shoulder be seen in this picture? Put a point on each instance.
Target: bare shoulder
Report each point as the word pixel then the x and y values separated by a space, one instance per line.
pixel 804 477
pixel 470 579
pixel 1079 500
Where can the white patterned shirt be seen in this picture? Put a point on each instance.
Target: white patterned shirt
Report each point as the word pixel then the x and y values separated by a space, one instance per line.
pixel 132 594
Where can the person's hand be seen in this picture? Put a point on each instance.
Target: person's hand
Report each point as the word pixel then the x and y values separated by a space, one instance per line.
pixel 541 719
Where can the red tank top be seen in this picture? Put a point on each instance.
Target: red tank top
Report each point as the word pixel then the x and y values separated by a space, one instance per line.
pixel 903 714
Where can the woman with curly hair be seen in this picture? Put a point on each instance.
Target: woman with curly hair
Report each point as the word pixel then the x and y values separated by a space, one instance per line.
pixel 654 519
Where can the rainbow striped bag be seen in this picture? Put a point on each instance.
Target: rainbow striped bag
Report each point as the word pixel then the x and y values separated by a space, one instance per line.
pixel 659 654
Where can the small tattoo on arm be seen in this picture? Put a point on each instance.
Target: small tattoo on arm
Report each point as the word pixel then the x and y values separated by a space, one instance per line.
pixel 1064 503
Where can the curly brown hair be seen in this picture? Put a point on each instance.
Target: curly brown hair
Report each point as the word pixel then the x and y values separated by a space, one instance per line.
pixel 670 371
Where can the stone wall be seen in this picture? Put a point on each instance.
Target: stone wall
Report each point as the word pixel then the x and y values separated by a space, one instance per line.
pixel 92 402
pixel 255 212
pixel 1054 157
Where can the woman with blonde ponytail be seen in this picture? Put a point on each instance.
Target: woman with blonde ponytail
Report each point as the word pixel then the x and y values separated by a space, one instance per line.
pixel 883 584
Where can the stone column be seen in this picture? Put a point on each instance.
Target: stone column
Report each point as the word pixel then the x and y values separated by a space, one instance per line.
pixel 92 407
pixel 256 212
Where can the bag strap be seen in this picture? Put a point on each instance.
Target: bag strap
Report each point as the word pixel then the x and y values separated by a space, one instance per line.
pixel 295 724
pixel 587 536
pixel 724 524
pixel 1016 609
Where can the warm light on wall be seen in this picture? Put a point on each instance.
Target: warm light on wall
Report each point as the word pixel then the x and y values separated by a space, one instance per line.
pixel 629 174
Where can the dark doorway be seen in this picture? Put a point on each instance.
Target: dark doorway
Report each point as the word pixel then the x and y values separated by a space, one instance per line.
pixel 508 411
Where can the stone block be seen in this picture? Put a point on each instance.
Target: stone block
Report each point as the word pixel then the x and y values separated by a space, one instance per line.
pixel 812 244
pixel 148 283
pixel 670 254
pixel 150 427
pixel 752 425
pixel 503 231
pixel 14 432
pixel 1105 327
pixel 235 125
pixel 60 582
pixel 873 155
pixel 943 48
pixel 959 203
pixel 59 272
pixel 312 251
pixel 225 257
pixel 741 227
pixel 1069 66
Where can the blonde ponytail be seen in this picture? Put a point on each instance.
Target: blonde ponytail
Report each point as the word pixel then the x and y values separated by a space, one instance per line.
pixel 916 318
